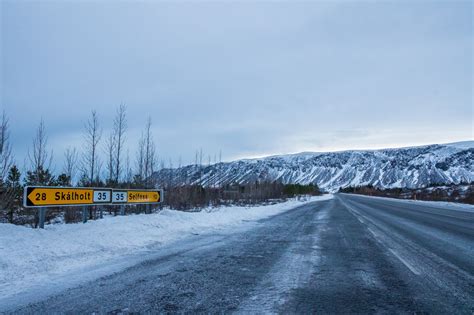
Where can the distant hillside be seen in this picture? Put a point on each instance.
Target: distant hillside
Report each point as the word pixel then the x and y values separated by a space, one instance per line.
pixel 411 167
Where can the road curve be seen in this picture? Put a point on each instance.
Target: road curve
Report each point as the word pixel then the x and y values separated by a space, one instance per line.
pixel 350 254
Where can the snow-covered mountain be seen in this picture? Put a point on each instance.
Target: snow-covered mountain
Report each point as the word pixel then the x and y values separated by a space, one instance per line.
pixel 411 167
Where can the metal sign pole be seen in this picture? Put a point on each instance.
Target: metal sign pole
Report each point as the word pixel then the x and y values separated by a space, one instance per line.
pixel 42 217
pixel 122 210
pixel 84 214
pixel 101 211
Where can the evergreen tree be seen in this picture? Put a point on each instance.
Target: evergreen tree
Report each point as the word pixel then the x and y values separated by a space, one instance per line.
pixel 13 191
pixel 83 181
pixel 13 179
pixel 63 180
pixel 39 177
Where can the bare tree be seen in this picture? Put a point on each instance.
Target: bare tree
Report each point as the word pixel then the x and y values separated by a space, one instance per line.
pixel 147 140
pixel 171 174
pixel 70 163
pixel 200 166
pixel 219 175
pixel 150 154
pixel 90 159
pixel 6 158
pixel 110 145
pixel 214 178
pixel 8 192
pixel 140 162
pixel 146 156
pixel 40 158
pixel 128 169
pixel 98 171
pixel 120 126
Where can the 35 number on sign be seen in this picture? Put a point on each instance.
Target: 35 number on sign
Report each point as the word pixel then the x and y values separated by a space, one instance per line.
pixel 120 197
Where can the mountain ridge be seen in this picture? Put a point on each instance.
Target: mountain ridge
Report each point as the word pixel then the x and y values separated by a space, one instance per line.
pixel 412 167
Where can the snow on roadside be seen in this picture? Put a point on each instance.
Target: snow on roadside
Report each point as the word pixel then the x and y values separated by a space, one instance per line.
pixel 29 256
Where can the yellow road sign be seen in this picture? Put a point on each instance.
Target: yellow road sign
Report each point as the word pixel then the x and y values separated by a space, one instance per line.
pixel 136 196
pixel 65 196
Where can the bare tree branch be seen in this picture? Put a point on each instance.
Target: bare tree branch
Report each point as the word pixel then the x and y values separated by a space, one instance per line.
pixel 40 159
pixel 70 163
pixel 120 126
pixel 6 158
pixel 90 159
pixel 110 145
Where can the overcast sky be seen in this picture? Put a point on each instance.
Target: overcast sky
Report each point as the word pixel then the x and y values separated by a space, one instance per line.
pixel 247 78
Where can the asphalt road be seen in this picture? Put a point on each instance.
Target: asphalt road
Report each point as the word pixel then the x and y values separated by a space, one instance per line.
pixel 351 254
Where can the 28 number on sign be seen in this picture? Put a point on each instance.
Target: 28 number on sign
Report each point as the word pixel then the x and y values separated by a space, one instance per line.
pixel 40 197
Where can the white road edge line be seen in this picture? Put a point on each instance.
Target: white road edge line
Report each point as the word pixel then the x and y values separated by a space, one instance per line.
pixel 412 269
pixel 375 235
pixel 409 266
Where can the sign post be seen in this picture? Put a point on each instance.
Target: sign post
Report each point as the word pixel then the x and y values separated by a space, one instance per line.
pixel 84 214
pixel 42 217
pixel 43 197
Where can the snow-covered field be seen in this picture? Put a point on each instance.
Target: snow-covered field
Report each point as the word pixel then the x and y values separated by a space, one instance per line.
pixel 30 257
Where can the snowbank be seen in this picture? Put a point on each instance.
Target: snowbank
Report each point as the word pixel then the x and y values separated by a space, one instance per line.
pixel 30 256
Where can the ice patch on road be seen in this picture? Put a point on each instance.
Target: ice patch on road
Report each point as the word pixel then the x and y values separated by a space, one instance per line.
pixel 293 270
pixel 28 257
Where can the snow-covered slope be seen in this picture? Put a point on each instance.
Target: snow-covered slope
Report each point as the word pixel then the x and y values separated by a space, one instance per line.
pixel 411 167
